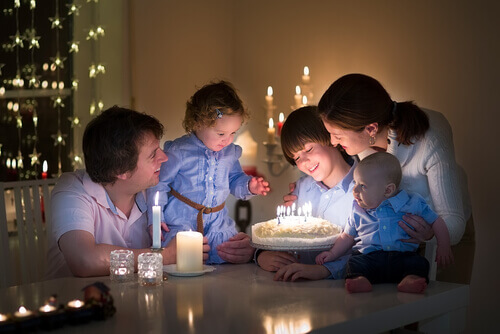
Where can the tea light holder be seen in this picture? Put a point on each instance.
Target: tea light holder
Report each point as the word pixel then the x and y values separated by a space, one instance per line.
pixel 51 317
pixel 78 312
pixel 150 266
pixel 26 320
pixel 121 265
pixel 7 324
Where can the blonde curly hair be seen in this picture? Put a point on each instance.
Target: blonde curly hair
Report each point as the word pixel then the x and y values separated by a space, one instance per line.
pixel 211 102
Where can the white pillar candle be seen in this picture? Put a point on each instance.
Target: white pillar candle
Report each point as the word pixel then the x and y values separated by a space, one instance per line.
pixel 156 223
pixel 271 132
pixel 189 251
pixel 298 97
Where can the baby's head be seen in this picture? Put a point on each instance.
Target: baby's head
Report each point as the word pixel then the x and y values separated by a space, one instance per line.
pixel 376 178
pixel 302 126
pixel 214 113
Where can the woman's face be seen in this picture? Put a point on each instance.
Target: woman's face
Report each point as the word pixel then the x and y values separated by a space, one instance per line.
pixel 318 161
pixel 353 142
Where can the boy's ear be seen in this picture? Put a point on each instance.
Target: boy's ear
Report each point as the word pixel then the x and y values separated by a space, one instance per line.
pixel 372 129
pixel 123 176
pixel 389 190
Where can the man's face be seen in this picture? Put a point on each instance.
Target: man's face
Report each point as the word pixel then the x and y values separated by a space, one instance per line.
pixel 149 161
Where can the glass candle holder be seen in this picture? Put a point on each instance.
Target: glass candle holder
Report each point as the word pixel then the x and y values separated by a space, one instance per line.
pixel 121 265
pixel 150 267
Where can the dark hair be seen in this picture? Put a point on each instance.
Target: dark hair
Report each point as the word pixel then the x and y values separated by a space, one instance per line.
pixel 302 126
pixel 201 107
pixel 111 142
pixel 356 100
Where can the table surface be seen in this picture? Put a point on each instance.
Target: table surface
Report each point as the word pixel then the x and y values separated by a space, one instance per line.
pixel 244 299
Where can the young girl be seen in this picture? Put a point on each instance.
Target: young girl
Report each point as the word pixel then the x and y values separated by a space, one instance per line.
pixel 327 184
pixel 203 168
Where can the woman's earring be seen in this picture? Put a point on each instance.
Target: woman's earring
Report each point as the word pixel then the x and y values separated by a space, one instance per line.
pixel 371 141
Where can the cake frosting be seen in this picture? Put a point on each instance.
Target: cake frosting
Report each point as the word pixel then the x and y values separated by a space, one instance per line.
pixel 295 231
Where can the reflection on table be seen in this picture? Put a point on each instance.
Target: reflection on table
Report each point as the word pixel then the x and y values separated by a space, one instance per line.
pixel 245 299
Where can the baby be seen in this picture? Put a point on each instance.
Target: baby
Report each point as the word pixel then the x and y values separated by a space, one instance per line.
pixel 379 255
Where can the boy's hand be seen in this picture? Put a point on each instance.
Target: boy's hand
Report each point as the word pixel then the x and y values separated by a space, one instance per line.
pixel 289 198
pixel 258 186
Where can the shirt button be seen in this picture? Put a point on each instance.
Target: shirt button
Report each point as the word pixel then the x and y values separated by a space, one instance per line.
pixel 327 196
pixel 388 247
pixel 211 193
pixel 384 227
pixel 210 178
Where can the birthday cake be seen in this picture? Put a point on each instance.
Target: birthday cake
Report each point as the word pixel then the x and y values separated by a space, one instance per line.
pixel 295 231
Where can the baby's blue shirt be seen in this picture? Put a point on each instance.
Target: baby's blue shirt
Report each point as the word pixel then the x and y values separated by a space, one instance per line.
pixel 378 229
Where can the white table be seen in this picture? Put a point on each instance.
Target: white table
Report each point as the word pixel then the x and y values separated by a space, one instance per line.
pixel 245 299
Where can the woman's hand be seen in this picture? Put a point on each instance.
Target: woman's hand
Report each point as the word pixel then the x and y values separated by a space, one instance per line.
pixel 294 271
pixel 237 249
pixel 419 231
pixel 272 261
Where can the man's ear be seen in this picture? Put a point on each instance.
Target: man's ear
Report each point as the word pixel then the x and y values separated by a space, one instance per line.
pixel 372 129
pixel 389 190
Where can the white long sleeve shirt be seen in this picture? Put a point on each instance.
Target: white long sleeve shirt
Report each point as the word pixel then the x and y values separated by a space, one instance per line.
pixel 429 169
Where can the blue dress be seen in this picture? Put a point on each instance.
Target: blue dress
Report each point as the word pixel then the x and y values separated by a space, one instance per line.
pixel 205 177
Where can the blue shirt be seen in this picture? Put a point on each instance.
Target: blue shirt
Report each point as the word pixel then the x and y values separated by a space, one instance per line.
pixel 334 205
pixel 206 177
pixel 378 229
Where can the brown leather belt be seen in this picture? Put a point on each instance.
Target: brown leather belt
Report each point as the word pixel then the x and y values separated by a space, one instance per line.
pixel 201 209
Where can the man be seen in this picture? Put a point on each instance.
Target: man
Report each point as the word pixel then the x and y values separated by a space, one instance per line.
pixel 102 208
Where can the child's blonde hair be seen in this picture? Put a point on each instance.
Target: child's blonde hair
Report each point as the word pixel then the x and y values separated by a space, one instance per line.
pixel 211 102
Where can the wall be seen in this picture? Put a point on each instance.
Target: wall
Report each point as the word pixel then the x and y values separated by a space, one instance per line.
pixel 443 55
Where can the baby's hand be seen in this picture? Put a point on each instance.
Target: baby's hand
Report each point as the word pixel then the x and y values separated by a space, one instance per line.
pixel 444 256
pixel 258 186
pixel 164 227
pixel 324 257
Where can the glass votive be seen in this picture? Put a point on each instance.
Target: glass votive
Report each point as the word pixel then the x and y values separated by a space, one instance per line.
pixel 7 324
pixel 150 267
pixel 121 265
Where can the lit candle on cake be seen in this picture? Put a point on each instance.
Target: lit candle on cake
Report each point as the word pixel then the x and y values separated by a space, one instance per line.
pixel 298 97
pixel 156 223
pixel 189 251
pixel 45 168
pixel 305 77
pixel 281 119
pixel 271 132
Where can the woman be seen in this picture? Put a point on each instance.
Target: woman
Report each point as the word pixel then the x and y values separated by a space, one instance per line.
pixel 361 117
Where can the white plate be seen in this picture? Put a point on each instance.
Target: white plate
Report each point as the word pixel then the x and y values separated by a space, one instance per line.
pixel 171 269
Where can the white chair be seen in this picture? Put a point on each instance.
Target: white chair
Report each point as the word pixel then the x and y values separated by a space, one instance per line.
pixel 24 225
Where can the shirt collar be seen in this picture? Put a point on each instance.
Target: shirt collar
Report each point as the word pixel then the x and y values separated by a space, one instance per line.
pixel 397 201
pixel 100 194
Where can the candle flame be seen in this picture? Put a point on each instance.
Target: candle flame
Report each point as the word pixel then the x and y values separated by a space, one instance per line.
pixel 45 166
pixel 281 117
pixel 297 90
pixel 271 123
pixel 22 309
pixel 269 91
pixel 156 197
pixel 306 70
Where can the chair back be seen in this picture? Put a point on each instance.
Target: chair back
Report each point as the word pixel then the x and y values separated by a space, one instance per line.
pixel 24 226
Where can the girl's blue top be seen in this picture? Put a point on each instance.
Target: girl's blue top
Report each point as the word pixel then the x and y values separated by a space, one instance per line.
pixel 205 177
